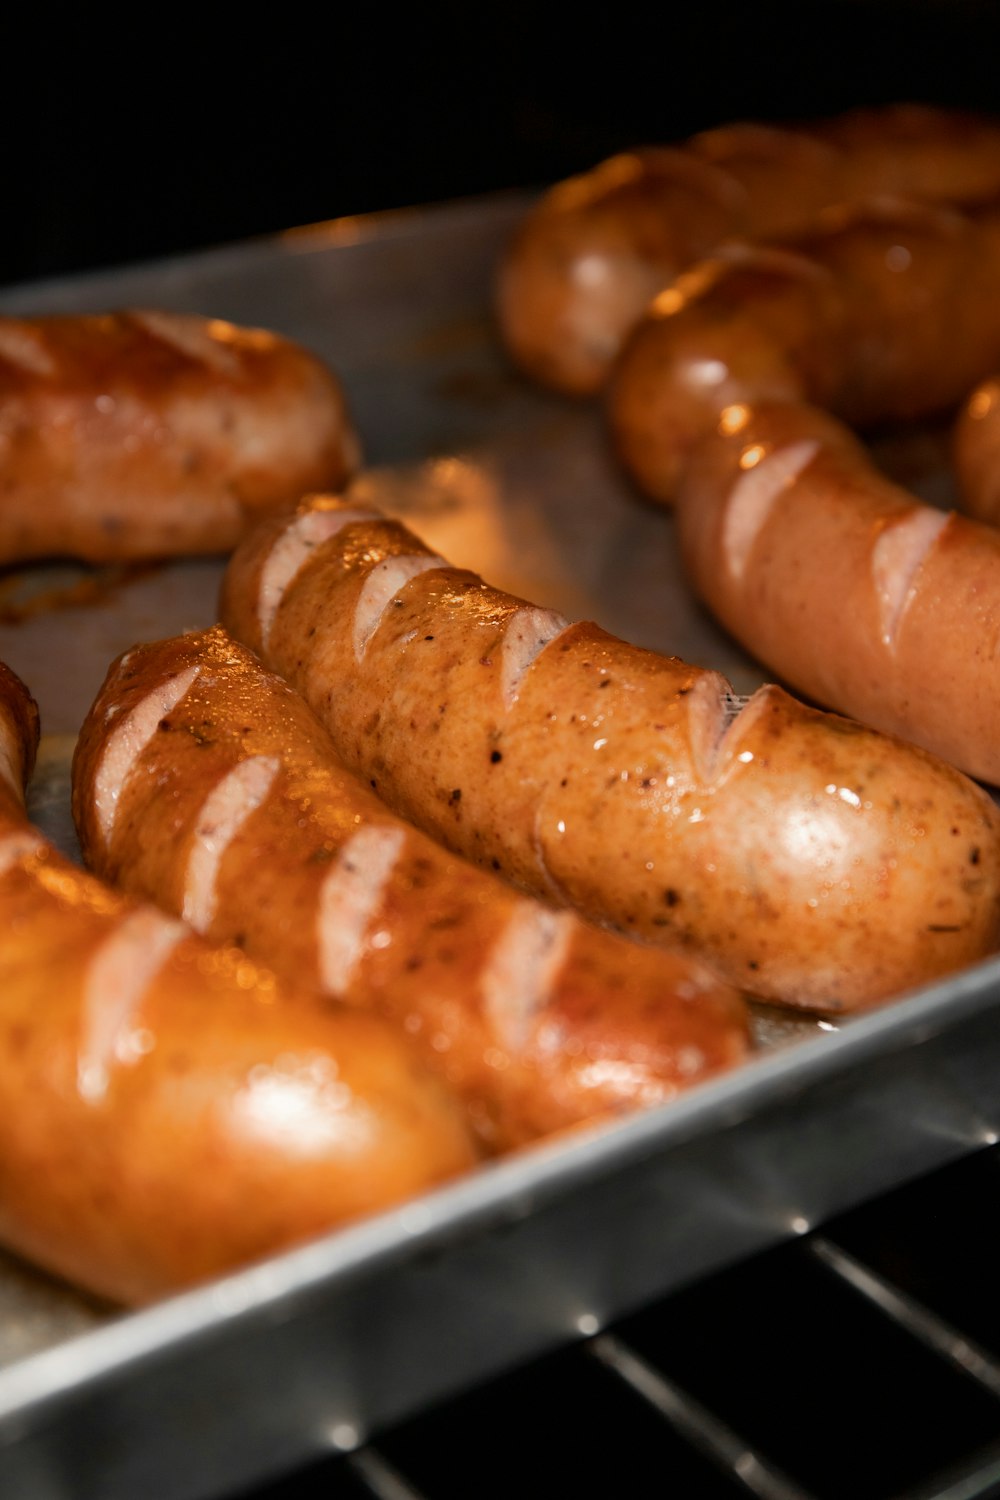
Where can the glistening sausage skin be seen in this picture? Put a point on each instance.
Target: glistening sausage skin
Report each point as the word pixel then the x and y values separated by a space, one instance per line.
pixel 809 859
pixel 204 782
pixel 845 585
pixel 170 1111
pixel 885 313
pixel 592 252
pixel 147 434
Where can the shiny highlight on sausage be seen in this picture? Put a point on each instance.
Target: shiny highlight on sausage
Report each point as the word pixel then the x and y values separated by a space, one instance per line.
pixel 237 812
pixel 171 1111
pixel 147 434
pixel 849 588
pixel 884 313
pixel 596 248
pixel 811 860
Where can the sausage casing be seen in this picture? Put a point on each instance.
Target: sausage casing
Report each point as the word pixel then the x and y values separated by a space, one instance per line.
pixel 592 252
pixel 146 434
pixel 843 583
pixel 884 313
pixel 807 858
pixel 171 1111
pixel 204 782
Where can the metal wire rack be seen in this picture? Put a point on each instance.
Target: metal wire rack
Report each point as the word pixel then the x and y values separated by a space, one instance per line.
pixel 857 1362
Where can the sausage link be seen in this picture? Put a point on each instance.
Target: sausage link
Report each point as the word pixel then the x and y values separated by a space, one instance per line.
pixel 807 858
pixel 845 585
pixel 884 313
pixel 170 1111
pixel 591 253
pixel 147 434
pixel 203 782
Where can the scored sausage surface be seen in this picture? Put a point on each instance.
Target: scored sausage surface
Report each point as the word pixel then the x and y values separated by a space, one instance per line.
pixel 810 859
pixel 171 1111
pixel 205 783
pixel 148 434
pixel 843 583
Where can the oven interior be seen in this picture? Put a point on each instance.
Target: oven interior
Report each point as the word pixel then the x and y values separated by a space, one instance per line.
pixel 859 1360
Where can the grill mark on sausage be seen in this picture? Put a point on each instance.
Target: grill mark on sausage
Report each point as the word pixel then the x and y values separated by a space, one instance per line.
pixel 553 886
pixel 128 740
pixel 126 743
pixel 349 900
pixel 25 348
pixel 752 497
pixel 289 554
pixel 528 633
pixel 709 719
pixel 210 343
pixel 226 808
pixel 119 977
pixel 522 968
pixel 380 587
pixel 896 560
pixel 719 719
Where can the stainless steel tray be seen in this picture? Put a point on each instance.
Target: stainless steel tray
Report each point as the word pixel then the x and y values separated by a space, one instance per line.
pixel 314 1350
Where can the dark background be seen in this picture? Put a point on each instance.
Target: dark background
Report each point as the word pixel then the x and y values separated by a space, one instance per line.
pixel 134 135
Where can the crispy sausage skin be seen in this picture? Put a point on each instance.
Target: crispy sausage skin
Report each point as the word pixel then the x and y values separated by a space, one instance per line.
pixel 203 781
pixel 169 1111
pixel 809 859
pixel 884 313
pixel 844 584
pixel 147 434
pixel 591 253
pixel 977 452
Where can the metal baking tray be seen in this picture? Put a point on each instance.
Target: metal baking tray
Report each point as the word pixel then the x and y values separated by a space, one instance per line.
pixel 315 1350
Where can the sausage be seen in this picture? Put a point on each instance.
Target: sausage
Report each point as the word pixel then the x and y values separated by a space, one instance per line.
pixel 203 782
pixel 842 583
pixel 884 313
pixel 810 860
pixel 976 452
pixel 146 434
pixel 170 1111
pixel 591 253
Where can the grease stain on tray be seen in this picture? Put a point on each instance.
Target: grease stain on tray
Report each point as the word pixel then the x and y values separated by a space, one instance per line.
pixel 26 593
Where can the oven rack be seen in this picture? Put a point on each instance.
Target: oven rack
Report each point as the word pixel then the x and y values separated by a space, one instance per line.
pixel 856 1362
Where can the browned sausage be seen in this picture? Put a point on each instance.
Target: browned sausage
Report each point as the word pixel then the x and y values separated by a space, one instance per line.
pixel 203 782
pixel 885 313
pixel 843 583
pixel 808 858
pixel 169 1111
pixel 593 251
pixel 145 434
